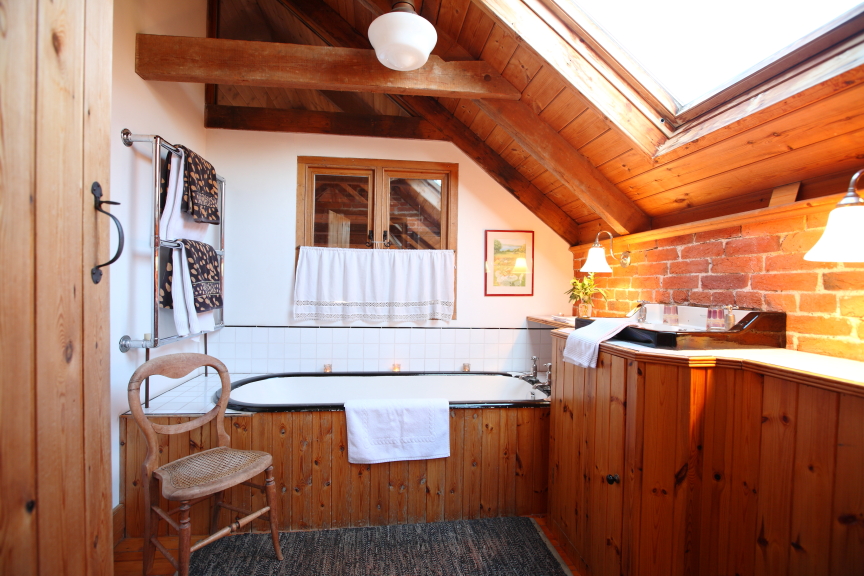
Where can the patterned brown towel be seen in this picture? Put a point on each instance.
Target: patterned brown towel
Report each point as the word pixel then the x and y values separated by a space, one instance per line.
pixel 204 271
pixel 200 189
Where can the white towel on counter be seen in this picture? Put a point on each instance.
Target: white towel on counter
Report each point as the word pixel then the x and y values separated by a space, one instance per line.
pixel 375 285
pixel 583 344
pixel 395 430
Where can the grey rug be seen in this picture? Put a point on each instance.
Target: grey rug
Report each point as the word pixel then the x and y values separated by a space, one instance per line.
pixel 490 547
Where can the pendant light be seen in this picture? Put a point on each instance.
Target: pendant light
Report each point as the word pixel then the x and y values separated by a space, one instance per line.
pixel 841 240
pixel 402 39
pixel 596 261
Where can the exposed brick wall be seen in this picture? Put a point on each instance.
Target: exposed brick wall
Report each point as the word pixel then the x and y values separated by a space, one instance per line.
pixel 753 266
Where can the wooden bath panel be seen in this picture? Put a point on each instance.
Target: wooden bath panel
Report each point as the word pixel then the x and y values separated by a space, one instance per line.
pixel 497 467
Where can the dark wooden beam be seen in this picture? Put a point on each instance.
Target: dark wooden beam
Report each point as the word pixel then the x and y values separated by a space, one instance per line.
pixel 496 167
pixel 240 62
pixel 309 122
pixel 552 151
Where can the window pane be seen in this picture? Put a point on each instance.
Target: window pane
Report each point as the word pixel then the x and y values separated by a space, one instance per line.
pixel 415 214
pixel 341 211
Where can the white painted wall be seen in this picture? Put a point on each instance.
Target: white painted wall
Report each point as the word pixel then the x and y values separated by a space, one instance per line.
pixel 176 112
pixel 261 171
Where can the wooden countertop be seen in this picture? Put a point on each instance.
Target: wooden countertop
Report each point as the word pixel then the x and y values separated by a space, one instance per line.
pixel 837 374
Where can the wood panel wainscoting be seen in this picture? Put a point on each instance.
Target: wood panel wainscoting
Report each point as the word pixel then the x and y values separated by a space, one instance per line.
pixel 669 465
pixel 497 467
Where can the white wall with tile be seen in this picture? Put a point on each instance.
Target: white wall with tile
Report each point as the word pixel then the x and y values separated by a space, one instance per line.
pixel 256 350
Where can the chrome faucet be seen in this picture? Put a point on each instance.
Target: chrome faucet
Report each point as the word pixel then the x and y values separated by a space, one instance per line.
pixel 640 311
pixel 531 377
pixel 545 387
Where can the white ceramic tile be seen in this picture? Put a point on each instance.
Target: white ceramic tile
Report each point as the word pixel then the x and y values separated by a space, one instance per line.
pixel 308 335
pixel 402 350
pixel 492 365
pixel 243 365
pixel 276 350
pixel 259 335
pixel 355 351
pixel 307 351
pixel 521 337
pixel 387 351
pixel 461 336
pixel 355 365
pixel 433 335
pixel 415 365
pixel 339 350
pixel 324 352
pixel 384 365
pixel 418 351
pixel 275 365
pixel 431 365
pixel 371 335
pixel 340 364
pixel 214 349
pixel 310 365
pixel 370 351
pixel 276 335
pixel 504 350
pixel 418 336
pixel 227 334
pixel 292 351
pixel 259 365
pixel 259 350
pixel 448 365
pixel 355 336
pixel 507 336
pixel 459 361
pixel 228 349
pixel 339 335
pixel 324 335
pixel 243 334
pixel 477 351
pixel 478 336
pixel 388 335
pixel 292 335
pixel 490 336
pixel 547 336
pixel 448 351
pixel 490 350
pixel 291 365
pixel 433 351
pixel 370 364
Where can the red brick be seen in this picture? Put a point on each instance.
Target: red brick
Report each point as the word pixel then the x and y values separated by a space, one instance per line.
pixel 720 233
pixel 793 262
pixel 820 303
pixel 662 296
pixel 680 282
pixel 861 332
pixel 852 306
pixel 725 282
pixel 647 295
pixel 628 295
pixel 817 220
pixel 805 281
pixel 736 265
pixel 680 296
pixel 642 246
pixel 773 227
pixel 760 245
pixel 706 250
pixel 699 297
pixel 854 350
pixel 822 325
pixel 781 303
pixel 801 241
pixel 688 266
pixel 657 269
pixel 749 300
pixel 722 297
pixel 645 282
pixel 662 255
pixel 613 282
pixel 851 280
pixel 616 306
pixel 853 264
pixel 682 240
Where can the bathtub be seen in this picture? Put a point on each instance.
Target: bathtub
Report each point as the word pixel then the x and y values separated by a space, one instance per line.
pixel 292 392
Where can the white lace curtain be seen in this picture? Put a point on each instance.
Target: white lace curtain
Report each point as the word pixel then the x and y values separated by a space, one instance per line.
pixel 375 285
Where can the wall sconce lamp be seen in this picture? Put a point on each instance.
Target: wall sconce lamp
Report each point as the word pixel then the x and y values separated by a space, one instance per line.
pixel 402 38
pixel 596 261
pixel 841 241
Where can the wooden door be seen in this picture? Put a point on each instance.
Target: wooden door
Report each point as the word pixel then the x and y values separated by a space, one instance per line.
pixel 55 495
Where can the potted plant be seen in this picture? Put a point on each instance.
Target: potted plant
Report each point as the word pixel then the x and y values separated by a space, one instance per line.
pixel 582 291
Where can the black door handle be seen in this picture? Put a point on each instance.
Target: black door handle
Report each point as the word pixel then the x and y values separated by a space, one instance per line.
pixel 96 190
pixel 613 479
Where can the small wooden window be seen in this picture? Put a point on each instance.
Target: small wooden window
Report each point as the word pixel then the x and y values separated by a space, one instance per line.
pixel 360 203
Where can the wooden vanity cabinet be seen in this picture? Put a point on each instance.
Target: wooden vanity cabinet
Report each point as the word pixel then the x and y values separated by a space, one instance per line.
pixel 716 466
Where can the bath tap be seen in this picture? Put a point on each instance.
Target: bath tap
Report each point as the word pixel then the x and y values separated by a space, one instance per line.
pixel 640 311
pixel 545 387
pixel 531 377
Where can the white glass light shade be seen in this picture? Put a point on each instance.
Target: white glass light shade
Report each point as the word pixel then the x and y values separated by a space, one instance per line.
pixel 521 266
pixel 596 261
pixel 842 240
pixel 402 40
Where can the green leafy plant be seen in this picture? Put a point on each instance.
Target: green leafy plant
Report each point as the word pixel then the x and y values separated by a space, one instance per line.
pixel 585 289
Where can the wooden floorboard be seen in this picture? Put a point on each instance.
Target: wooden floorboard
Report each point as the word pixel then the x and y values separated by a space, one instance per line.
pixel 127 554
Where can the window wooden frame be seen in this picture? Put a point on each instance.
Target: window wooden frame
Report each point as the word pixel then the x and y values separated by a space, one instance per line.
pixel 379 194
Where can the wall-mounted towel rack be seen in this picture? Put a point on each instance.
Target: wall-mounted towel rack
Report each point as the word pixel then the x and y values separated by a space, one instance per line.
pixel 153 339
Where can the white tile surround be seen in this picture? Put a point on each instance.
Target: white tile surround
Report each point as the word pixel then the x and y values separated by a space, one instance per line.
pixel 256 350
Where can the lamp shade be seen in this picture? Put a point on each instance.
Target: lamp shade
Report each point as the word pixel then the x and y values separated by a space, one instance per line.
pixel 402 40
pixel 596 261
pixel 842 240
pixel 521 266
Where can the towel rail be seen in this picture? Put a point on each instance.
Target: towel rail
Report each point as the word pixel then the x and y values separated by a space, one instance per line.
pixel 153 338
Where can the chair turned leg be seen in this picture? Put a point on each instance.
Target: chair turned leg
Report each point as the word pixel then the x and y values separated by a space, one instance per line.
pixel 151 523
pixel 214 518
pixel 273 503
pixel 185 541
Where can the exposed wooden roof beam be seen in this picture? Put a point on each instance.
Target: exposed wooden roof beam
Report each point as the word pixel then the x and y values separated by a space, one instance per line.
pixel 310 122
pixel 567 164
pixel 240 62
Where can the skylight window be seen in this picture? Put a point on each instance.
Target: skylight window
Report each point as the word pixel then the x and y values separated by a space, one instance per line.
pixel 695 48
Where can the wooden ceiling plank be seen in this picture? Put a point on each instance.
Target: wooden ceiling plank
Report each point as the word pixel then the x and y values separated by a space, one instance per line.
pixel 752 201
pixel 466 111
pixel 586 127
pixel 573 169
pixel 563 109
pixel 475 30
pixel 318 17
pixel 839 114
pixel 514 154
pixel 625 113
pixel 499 48
pixel 348 102
pixel 312 122
pixel 219 61
pixel 451 16
pixel 522 67
pixel 542 89
pixel 530 168
pixel 430 10
pixel 604 148
pixel 482 125
pixel 627 165
pixel 449 103
pixel 545 180
pixel 498 139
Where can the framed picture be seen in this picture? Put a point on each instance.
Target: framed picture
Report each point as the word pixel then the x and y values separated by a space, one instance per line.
pixel 509 263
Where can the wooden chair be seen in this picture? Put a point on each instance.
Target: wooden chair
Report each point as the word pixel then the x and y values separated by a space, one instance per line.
pixel 197 477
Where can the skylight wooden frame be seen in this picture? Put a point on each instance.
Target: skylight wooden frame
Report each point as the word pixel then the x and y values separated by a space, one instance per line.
pixel 667 107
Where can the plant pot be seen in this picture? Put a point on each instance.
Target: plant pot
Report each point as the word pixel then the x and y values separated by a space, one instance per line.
pixel 585 310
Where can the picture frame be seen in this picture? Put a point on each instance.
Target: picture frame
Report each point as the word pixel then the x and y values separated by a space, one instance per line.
pixel 509 263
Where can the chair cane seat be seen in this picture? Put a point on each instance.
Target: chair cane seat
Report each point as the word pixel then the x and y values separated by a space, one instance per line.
pixel 210 471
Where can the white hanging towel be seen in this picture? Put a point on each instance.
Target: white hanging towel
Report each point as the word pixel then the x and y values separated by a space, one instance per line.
pixel 375 285
pixel 395 430
pixel 583 344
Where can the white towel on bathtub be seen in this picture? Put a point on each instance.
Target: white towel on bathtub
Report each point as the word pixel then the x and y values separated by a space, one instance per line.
pixel 394 430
